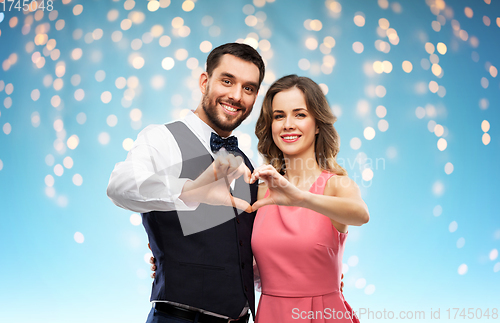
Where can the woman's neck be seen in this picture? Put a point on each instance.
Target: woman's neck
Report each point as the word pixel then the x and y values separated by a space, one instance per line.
pixel 301 170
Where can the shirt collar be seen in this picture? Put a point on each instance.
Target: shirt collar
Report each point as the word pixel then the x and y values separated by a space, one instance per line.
pixel 199 127
pixel 202 130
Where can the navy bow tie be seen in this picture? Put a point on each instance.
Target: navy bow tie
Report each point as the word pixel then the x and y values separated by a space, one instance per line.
pixel 216 143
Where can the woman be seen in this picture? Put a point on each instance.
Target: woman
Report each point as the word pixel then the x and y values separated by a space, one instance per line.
pixel 304 209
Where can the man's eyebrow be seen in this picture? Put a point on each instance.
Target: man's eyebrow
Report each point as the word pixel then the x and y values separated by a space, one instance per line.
pixel 252 84
pixel 231 76
pixel 226 74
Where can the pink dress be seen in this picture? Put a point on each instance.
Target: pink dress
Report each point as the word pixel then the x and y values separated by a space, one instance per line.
pixel 299 255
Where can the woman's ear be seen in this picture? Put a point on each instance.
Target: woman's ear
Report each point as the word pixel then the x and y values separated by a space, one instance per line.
pixel 203 82
pixel 317 129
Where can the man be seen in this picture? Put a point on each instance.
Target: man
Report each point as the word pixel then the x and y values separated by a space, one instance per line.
pixel 176 178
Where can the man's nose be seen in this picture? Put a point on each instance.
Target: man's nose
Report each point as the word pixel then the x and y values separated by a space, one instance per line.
pixel 235 93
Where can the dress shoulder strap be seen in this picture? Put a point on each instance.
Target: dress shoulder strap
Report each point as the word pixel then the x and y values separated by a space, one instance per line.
pixel 319 185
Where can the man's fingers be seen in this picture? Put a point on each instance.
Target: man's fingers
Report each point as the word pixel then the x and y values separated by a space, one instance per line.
pixel 234 162
pixel 242 205
pixel 241 170
pixel 153 275
pixel 247 176
pixel 152 260
pixel 216 177
pixel 238 203
pixel 236 166
pixel 153 267
pixel 222 165
pixel 149 247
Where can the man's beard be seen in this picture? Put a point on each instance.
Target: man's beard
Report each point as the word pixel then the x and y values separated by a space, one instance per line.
pixel 213 115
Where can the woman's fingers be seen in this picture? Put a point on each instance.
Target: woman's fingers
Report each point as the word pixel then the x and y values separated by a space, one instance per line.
pixel 257 170
pixel 260 203
pixel 258 175
pixel 271 177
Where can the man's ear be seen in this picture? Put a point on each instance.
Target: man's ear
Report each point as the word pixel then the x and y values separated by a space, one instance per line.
pixel 203 82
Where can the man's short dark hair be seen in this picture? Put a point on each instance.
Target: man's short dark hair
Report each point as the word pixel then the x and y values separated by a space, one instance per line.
pixel 242 51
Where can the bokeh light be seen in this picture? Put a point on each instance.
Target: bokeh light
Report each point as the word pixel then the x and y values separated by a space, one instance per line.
pixel 402 77
pixel 462 269
pixel 369 133
pixel 135 219
pixel 73 142
pixel 79 238
pixel 359 19
pixel 355 143
pixel 357 47
pixel 77 179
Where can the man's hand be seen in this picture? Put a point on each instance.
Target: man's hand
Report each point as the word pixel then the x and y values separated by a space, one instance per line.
pixel 153 266
pixel 212 186
pixel 152 262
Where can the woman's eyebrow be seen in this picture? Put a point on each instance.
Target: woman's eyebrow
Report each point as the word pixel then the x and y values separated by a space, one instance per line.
pixel 294 110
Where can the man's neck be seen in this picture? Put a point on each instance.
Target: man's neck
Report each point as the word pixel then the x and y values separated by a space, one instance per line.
pixel 200 113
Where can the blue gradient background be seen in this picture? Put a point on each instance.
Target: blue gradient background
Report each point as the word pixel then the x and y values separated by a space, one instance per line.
pixel 406 252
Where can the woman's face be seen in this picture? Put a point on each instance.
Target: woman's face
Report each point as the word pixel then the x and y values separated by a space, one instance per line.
pixel 293 127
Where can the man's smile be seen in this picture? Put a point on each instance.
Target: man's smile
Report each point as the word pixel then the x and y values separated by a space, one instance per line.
pixel 229 108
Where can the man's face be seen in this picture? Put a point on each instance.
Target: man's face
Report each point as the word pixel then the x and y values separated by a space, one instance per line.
pixel 230 93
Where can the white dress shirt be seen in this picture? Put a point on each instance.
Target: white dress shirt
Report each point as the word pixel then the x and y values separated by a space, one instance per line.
pixel 148 180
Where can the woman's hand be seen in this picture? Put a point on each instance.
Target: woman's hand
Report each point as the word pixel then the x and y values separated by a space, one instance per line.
pixel 281 191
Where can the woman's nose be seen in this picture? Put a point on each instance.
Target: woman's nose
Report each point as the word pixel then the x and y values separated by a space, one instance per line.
pixel 289 124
